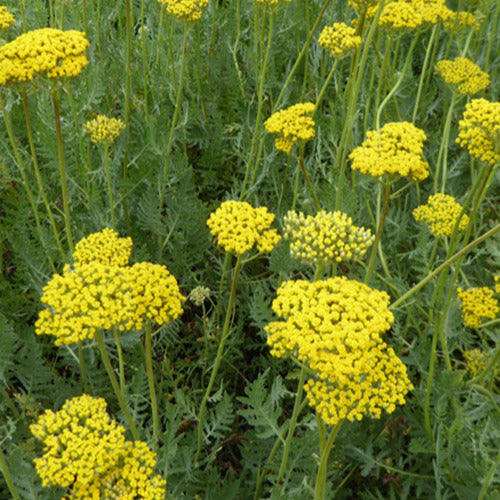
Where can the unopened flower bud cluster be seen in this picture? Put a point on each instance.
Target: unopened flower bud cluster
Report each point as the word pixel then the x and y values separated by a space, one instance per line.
pixel 103 130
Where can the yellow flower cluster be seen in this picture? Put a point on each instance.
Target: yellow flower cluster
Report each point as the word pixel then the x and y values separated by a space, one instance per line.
pixel 6 18
pixel 238 227
pixel 85 450
pixel 464 75
pixel 335 328
pixel 272 3
pixel 185 10
pixel 401 15
pixel 103 130
pixel 479 130
pixel 48 52
pixel 104 293
pixel 476 361
pixel 339 39
pixel 477 303
pixel 460 21
pixel 432 11
pixel 397 149
pixel 325 238
pixel 497 284
pixel 440 214
pixel 370 6
pixel 292 125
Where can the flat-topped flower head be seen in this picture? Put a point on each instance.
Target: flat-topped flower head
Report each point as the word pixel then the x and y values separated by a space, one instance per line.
pixel 293 125
pixel 339 39
pixel 475 360
pixel 335 328
pixel 476 304
pixel 440 214
pixel 463 75
pixel 401 15
pixel 461 21
pixel 326 238
pixel 6 18
pixel 46 52
pixel 432 11
pixel 479 130
pixel 103 130
pixel 238 227
pixel 86 452
pixel 367 6
pixel 185 10
pixel 396 150
pixel 105 247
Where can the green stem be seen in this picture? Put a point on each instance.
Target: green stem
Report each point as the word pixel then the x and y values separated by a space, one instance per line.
pixel 306 176
pixel 151 382
pixel 114 383
pixel 319 490
pixel 121 368
pixel 220 350
pixel 110 187
pixel 62 172
pixel 489 478
pixel 325 85
pixel 6 474
pixel 83 369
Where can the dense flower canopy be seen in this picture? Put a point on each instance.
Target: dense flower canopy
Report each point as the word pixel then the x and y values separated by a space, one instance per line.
pixel 47 52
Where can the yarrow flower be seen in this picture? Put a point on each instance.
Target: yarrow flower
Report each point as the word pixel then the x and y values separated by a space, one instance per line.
pixel 185 10
pixel 339 39
pixel 335 328
pixel 238 227
pixel 101 292
pixel 476 361
pixel 461 21
pixel 440 214
pixel 6 18
pixel 397 149
pixel 497 284
pixel 476 304
pixel 272 3
pixel 86 451
pixel 103 130
pixel 326 238
pixel 479 130
pixel 401 15
pixel 292 125
pixel 47 52
pixel 464 75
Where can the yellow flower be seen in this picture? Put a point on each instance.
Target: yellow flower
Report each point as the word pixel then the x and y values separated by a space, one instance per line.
pixel 476 361
pixel 47 52
pixel 238 227
pixel 85 451
pixel 292 125
pixel 401 15
pixel 325 238
pixel 103 130
pixel 335 328
pixel 477 303
pixel 440 214
pixel 339 39
pixel 185 10
pixel 397 149
pixel 369 6
pixel 272 3
pixel 6 18
pixel 462 74
pixel 460 21
pixel 432 11
pixel 497 284
pixel 479 130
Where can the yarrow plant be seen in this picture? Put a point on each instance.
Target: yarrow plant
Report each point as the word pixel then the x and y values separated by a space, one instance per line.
pixel 238 227
pixel 46 52
pixel 396 150
pixel 440 214
pixel 326 238
pixel 479 130
pixel 293 125
pixel 103 130
pixel 185 10
pixel 475 360
pixel 476 304
pixel 401 15
pixel 335 328
pixel 86 452
pixel 339 39
pixel 6 18
pixel 463 75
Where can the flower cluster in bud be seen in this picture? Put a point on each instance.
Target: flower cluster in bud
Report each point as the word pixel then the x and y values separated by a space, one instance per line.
pixel 185 10
pixel 463 75
pixel 476 361
pixel 440 214
pixel 292 125
pixel 6 18
pixel 396 149
pixel 335 328
pixel 238 227
pixel 103 130
pixel 86 451
pixel 326 238
pixel 101 292
pixel 479 130
pixel 476 304
pixel 199 294
pixel 47 52
pixel 339 39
